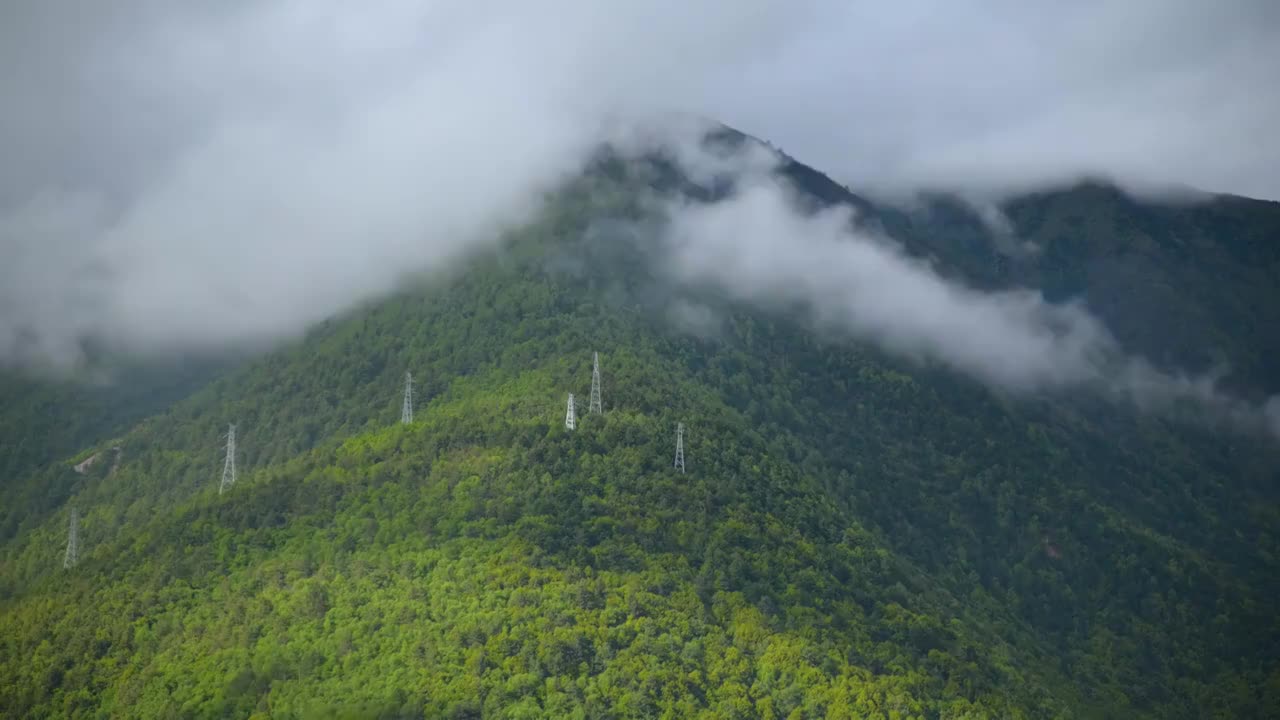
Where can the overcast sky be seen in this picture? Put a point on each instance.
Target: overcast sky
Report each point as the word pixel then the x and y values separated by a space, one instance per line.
pixel 904 92
pixel 186 174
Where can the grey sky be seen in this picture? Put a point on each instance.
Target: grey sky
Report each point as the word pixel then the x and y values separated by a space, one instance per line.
pixel 904 92
pixel 188 174
pixel 1009 92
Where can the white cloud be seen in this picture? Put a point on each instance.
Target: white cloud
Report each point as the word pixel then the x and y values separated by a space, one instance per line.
pixel 209 173
pixel 759 246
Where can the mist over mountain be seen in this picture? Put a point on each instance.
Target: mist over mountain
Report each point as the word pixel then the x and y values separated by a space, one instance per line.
pixel 996 506
pixel 976 374
pixel 226 173
pixel 761 243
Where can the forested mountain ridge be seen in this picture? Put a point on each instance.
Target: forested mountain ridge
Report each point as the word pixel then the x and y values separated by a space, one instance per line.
pixel 856 536
pixel 1190 284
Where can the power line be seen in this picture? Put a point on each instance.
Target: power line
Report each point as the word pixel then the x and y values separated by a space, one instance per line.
pixel 406 410
pixel 229 468
pixel 73 541
pixel 679 465
pixel 596 406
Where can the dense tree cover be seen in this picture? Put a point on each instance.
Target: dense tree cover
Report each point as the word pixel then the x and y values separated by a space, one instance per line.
pixel 856 536
pixel 47 421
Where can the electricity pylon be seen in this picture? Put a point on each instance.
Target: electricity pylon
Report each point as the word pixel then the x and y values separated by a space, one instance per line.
pixel 680 447
pixel 595 407
pixel 570 422
pixel 406 410
pixel 73 541
pixel 229 468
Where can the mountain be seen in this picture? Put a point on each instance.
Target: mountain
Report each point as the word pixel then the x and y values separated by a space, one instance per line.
pixel 46 421
pixel 856 535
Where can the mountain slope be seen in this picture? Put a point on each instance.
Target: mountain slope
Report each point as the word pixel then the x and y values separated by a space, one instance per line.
pixel 856 536
pixel 45 424
pixel 590 549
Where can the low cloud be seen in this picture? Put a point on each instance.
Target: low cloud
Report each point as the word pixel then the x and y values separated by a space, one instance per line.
pixel 203 176
pixel 760 246
pixel 336 156
pixel 198 175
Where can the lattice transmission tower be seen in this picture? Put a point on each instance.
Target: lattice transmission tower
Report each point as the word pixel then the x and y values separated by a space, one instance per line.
pixel 595 407
pixel 680 447
pixel 229 467
pixel 570 421
pixel 73 541
pixel 406 410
